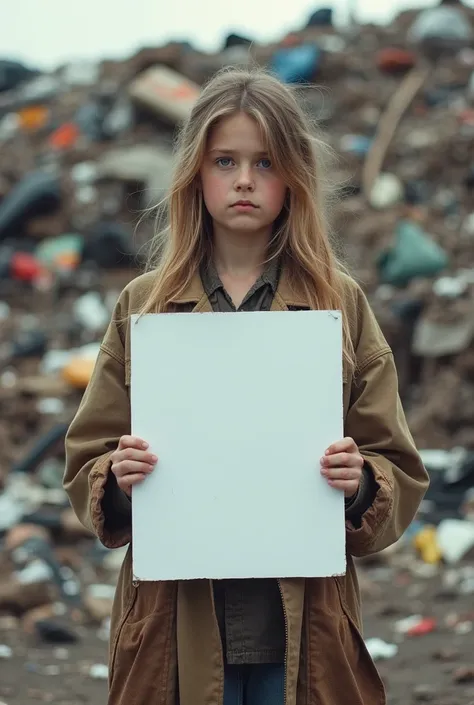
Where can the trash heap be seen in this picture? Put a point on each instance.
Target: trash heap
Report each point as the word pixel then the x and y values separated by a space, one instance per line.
pixel 86 151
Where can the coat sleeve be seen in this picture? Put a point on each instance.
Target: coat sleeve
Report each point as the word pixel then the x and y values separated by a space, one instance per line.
pixel 102 418
pixel 376 421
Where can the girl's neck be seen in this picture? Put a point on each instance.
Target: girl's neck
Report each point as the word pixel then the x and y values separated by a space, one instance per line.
pixel 240 254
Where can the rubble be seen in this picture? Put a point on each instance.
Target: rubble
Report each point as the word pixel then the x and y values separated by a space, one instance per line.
pixel 464 675
pixel 86 152
pixel 424 693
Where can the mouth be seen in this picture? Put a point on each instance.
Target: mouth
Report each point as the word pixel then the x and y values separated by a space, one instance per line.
pixel 244 204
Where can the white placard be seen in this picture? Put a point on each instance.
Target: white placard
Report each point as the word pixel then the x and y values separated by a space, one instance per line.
pixel 239 409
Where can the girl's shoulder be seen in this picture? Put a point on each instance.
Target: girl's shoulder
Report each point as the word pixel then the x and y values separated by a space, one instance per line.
pixel 116 341
pixel 367 337
pixel 354 300
pixel 135 294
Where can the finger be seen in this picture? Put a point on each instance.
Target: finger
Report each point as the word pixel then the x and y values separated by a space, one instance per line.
pixel 347 445
pixel 342 460
pixel 125 483
pixel 134 454
pixel 345 473
pixel 130 467
pixel 349 487
pixel 132 442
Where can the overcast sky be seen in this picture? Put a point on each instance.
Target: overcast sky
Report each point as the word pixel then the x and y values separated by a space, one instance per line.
pixel 48 32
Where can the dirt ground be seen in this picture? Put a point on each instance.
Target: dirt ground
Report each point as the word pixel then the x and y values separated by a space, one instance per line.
pixel 425 669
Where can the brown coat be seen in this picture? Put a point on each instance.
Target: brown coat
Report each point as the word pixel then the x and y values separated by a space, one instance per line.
pixel 160 629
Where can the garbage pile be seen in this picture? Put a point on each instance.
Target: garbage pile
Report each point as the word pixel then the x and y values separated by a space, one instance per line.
pixel 87 151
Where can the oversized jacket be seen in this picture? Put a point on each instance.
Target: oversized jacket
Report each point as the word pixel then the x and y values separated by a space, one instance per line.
pixel 166 633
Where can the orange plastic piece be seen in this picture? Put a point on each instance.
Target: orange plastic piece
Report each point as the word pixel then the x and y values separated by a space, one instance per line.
pixel 65 136
pixel 33 118
pixel 395 60
pixel 67 261
pixel 78 372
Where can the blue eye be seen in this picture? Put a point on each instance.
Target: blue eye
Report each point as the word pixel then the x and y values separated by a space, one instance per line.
pixel 265 163
pixel 224 161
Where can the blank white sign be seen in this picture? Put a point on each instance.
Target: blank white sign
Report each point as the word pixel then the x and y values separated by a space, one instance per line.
pixel 239 409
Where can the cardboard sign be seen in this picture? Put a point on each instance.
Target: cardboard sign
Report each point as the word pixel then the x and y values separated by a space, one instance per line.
pixel 239 410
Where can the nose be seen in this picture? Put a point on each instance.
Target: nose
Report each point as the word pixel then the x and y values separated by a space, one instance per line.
pixel 244 180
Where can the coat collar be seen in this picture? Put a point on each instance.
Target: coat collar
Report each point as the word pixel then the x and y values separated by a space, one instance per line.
pixel 284 296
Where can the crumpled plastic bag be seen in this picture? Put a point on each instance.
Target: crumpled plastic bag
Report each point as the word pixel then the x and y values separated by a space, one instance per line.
pixel 413 254
pixel 296 64
pixel 443 22
pixel 38 193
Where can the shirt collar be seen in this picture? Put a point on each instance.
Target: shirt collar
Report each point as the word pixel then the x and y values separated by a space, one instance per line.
pixel 194 291
pixel 211 280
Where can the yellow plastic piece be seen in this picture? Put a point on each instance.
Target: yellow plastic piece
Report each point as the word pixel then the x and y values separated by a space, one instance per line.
pixel 426 544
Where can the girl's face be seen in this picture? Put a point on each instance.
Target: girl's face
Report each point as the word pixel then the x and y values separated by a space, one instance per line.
pixel 241 189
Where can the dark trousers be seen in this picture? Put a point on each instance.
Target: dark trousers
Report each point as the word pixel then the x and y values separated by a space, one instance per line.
pixel 259 684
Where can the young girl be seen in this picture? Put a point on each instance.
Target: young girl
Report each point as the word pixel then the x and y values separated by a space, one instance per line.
pixel 247 233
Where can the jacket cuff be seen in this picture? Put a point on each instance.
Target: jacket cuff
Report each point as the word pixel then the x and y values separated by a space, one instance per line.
pixel 116 503
pixel 110 510
pixel 362 536
pixel 358 504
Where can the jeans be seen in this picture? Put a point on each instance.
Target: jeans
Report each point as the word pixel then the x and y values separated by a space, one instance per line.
pixel 259 684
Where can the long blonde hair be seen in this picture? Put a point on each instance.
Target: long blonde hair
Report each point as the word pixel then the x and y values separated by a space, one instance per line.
pixel 301 236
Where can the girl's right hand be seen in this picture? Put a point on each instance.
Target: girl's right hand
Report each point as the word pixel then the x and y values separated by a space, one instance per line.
pixel 131 462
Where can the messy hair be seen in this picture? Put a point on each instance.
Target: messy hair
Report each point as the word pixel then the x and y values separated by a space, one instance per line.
pixel 300 237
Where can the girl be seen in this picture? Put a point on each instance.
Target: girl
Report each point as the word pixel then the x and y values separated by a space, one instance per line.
pixel 247 232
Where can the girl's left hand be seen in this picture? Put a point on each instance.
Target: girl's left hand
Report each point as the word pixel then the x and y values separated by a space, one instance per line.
pixel 342 466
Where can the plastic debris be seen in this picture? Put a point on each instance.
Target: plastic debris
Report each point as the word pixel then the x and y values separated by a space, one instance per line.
pixel 403 626
pixel 5 652
pixel 170 95
pixel 426 543
pixel 99 671
pixel 413 254
pixel 297 64
pixel 386 192
pixel 424 626
pixel 455 538
pixel 36 194
pixel 443 23
pixel 380 650
pixel 395 60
